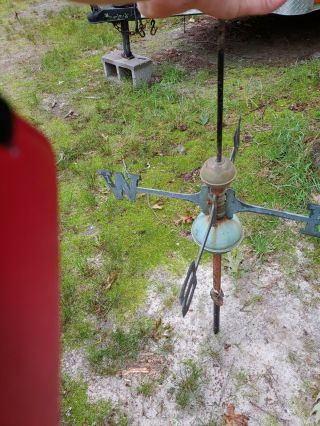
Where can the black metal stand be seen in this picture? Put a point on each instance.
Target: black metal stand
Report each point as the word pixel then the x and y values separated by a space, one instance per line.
pixel 125 32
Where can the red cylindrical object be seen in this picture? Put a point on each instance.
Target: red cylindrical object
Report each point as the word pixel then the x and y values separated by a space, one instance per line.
pixel 29 317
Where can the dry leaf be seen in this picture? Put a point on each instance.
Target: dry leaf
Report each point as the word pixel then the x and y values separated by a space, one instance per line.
pixel 316 411
pixel 298 107
pixel 191 176
pixel 158 205
pixel 315 198
pixel 155 331
pixel 185 220
pixel 104 136
pixel 161 331
pixel 137 370
pixel 233 419
pixel 182 127
pixel 111 278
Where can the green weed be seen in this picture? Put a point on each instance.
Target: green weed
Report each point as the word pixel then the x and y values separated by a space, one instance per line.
pixel 188 385
pixel 77 411
pixel 147 389
pixel 253 300
pixel 241 379
pixel 119 347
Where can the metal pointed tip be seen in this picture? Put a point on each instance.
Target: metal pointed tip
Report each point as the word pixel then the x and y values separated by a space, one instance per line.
pixel 236 141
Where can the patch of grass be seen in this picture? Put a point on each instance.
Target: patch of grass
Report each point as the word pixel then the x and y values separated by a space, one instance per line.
pixel 188 385
pixel 147 389
pixel 120 347
pixel 292 357
pixel 172 297
pixel 253 300
pixel 271 421
pixel 262 244
pixel 77 411
pixel 293 288
pixel 241 379
pixel 234 260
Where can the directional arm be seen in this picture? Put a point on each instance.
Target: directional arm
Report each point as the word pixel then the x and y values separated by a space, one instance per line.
pixel 121 187
pixel 312 221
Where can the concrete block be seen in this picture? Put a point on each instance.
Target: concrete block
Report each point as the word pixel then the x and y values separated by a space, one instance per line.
pixel 138 70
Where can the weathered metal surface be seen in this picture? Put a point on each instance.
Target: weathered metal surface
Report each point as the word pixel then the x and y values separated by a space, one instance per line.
pixel 121 187
pixel 225 236
pixel 312 221
pixel 190 282
pixel 124 13
pixel 218 174
pixel 216 292
pixel 297 7
pixel 113 14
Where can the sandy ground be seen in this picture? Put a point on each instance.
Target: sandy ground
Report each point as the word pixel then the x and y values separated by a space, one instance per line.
pixel 266 359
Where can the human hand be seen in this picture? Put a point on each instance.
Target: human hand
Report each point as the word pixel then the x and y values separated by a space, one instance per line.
pixel 223 9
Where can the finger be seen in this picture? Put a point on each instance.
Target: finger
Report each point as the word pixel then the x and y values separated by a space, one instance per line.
pixel 236 8
pixel 162 9
pixel 226 9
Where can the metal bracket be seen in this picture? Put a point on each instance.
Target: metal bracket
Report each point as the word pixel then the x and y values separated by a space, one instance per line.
pixel 312 228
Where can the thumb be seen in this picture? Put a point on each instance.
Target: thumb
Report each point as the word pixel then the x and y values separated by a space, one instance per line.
pixel 257 7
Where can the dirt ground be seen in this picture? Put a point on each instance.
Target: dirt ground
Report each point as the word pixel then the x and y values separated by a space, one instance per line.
pixel 271 39
pixel 265 360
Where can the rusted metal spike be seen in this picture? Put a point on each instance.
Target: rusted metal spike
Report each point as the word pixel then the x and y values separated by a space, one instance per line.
pixel 216 293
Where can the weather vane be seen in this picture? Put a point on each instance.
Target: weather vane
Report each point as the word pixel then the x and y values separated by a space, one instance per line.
pixel 217 229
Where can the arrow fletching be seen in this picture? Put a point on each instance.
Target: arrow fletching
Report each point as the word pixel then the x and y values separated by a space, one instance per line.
pixel 236 142
pixel 190 282
pixel 188 288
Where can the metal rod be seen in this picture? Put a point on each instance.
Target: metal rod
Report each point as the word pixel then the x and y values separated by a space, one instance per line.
pixel 193 198
pixel 125 31
pixel 216 263
pixel 221 44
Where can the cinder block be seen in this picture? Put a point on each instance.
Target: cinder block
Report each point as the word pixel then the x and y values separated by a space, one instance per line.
pixel 138 70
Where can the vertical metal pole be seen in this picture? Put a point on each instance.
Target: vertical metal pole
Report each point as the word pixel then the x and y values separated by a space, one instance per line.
pixel 184 24
pixel 125 31
pixel 216 291
pixel 221 43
